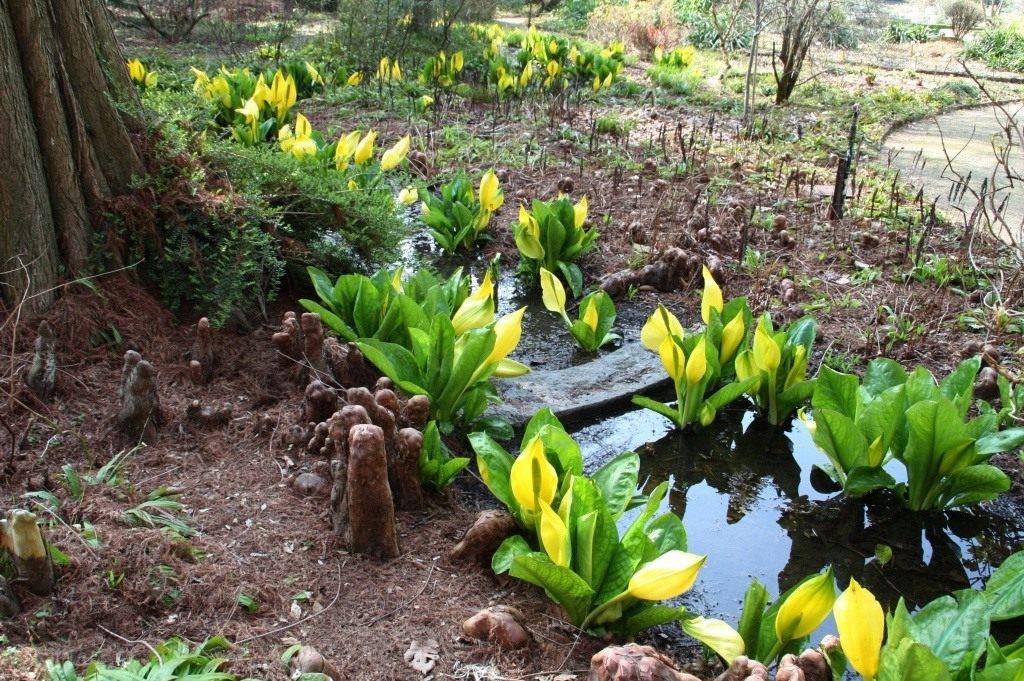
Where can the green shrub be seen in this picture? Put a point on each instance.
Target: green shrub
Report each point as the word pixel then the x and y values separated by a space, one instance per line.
pixel 1000 47
pixel 836 30
pixel 682 81
pixel 333 227
pixel 900 32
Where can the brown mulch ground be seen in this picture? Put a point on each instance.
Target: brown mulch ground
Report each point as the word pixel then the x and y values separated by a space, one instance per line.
pixel 255 537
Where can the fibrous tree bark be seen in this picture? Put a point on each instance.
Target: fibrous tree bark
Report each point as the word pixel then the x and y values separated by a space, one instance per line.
pixel 69 115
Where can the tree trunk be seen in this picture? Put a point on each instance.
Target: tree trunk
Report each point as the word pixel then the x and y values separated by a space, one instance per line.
pixel 70 106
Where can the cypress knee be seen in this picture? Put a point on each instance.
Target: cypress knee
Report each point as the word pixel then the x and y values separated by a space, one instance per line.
pixel 21 537
pixel 41 377
pixel 371 510
pixel 404 470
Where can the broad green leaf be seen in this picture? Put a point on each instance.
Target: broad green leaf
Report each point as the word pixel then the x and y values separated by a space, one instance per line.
pixel 616 481
pixel 911 661
pixel 882 374
pixel 1005 589
pixel 1003 441
pixel 836 391
pixel 954 629
pixel 501 561
pixel 864 479
pixel 562 585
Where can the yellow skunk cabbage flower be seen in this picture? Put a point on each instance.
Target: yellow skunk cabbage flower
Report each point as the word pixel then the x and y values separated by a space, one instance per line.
pixel 314 75
pixel 384 68
pixel 352 185
pixel 808 422
pixel 805 608
pixel 202 82
pixel 597 83
pixel 251 111
pixel 140 75
pixel 262 94
pixel 508 329
pixel 283 94
pixel 732 335
pixel 426 101
pixel 659 326
pixel 396 154
pixel 477 310
pixel 552 292
pixel 485 472
pixel 408 196
pixel 525 76
pixel 457 61
pixel 861 625
pixel 396 71
pixel 697 363
pixel 491 196
pixel 766 351
pixel 554 536
pixel 590 316
pixel 712 298
pixel 673 359
pixel 299 144
pixel 579 212
pixel 364 150
pixel 667 576
pixel 345 148
pixel 799 368
pixel 532 478
pixel 355 78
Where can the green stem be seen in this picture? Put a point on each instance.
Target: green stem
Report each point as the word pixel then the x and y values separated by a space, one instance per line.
pixel 774 652
pixel 773 417
pixel 601 608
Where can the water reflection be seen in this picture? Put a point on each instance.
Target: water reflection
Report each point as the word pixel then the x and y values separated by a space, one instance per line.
pixel 744 490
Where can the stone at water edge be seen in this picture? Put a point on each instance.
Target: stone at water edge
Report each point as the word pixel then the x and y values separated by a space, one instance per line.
pixel 608 379
pixel 633 662
pixel 500 625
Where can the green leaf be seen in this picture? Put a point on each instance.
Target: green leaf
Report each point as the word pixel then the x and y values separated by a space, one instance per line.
pixel 882 374
pixel 658 407
pixel 646 616
pixel 667 533
pixel 616 481
pixel 838 436
pixel 322 285
pixel 836 391
pixel 972 484
pixel 1005 589
pixel 561 584
pixel 864 479
pixel 883 554
pixel 754 602
pixel 1003 441
pixel 910 661
pixel 954 629
pixel 396 363
pixel 501 561
pixel 498 464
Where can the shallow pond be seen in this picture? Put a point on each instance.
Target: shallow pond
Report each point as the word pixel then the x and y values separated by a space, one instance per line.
pixel 748 493
pixel 745 493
